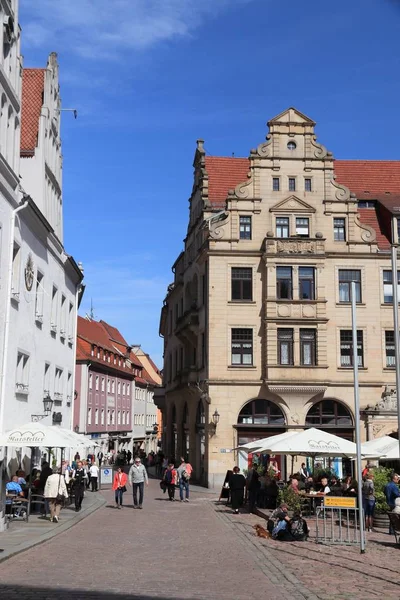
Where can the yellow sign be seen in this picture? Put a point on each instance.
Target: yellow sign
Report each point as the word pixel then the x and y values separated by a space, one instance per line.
pixel 339 502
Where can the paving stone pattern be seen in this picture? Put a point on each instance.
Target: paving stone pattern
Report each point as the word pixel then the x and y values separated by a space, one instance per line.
pixel 199 550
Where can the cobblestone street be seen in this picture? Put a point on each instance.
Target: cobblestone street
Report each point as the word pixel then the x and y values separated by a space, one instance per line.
pixel 192 551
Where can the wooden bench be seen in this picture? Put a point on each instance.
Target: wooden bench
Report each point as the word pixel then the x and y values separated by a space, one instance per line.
pixel 394 519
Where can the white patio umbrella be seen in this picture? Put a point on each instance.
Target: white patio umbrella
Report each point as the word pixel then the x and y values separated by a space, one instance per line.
pixel 384 448
pixel 254 446
pixel 311 442
pixel 78 438
pixel 36 435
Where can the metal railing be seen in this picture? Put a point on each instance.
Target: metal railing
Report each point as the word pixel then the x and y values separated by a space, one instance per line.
pixel 337 525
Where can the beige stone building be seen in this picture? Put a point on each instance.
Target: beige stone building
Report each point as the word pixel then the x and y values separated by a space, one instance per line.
pixel 257 322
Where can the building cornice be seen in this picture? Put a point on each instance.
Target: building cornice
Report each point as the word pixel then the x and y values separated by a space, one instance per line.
pixel 9 90
pixel 297 389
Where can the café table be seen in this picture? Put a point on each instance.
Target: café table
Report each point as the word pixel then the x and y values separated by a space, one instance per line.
pixel 310 499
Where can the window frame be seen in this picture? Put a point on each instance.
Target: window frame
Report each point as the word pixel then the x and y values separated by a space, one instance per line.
pixel 276 184
pixel 238 287
pixel 238 346
pixel 389 271
pixel 279 281
pixel 302 279
pixel 285 337
pixel 345 285
pixel 312 342
pixel 281 227
pixel 302 235
pixel 246 233
pixel 337 228
pixel 291 184
pixel 390 344
pixel 306 180
pixel 349 342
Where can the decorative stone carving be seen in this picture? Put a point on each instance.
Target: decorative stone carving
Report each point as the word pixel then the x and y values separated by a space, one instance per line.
pixel 283 310
pixel 270 234
pixel 319 235
pixel 264 150
pixel 389 400
pixel 377 428
pixel 295 418
pixel 243 190
pixel 368 234
pixel 295 247
pixel 342 192
pixel 29 273
pixel 309 311
pixel 320 150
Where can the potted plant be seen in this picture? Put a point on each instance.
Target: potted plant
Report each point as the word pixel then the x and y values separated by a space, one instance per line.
pixel 288 496
pixel 381 478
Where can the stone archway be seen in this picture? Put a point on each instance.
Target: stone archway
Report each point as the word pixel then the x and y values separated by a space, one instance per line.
pixel 259 418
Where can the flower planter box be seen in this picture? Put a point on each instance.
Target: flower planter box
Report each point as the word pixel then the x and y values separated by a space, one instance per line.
pixel 381 521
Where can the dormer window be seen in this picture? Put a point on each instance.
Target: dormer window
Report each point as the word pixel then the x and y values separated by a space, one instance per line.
pixel 366 204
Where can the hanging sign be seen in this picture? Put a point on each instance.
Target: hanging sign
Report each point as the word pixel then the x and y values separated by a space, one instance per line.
pixel 339 502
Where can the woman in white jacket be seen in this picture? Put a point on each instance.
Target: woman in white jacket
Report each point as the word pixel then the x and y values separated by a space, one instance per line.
pixel 54 491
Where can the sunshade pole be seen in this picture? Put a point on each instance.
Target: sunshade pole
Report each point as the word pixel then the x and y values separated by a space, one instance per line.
pixel 357 414
pixel 396 334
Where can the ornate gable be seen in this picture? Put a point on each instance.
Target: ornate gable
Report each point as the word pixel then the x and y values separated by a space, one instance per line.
pixel 291 115
pixel 292 205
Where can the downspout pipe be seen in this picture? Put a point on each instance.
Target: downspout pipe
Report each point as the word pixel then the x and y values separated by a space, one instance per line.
pixel 4 364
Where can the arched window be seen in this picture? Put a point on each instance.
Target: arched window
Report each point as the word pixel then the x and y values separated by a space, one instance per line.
pixel 329 413
pixel 200 415
pixel 261 412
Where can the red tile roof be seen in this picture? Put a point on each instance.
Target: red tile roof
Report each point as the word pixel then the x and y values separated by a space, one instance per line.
pixel 370 217
pixel 114 334
pixel 374 179
pixel 369 176
pixel 224 173
pixel 32 101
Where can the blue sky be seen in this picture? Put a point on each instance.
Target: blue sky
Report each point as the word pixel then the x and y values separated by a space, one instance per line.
pixel 149 77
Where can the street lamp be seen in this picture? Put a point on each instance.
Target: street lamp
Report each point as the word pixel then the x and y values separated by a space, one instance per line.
pixel 47 406
pixel 215 418
pixel 47 403
pixel 214 422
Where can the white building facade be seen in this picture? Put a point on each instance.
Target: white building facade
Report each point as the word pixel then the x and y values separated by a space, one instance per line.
pixel 42 283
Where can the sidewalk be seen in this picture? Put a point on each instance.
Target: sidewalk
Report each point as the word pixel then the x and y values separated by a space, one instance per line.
pixel 21 535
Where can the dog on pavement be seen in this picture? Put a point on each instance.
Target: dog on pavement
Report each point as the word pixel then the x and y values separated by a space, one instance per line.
pixel 261 532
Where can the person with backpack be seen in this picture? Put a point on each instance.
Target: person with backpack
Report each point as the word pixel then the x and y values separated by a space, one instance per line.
pixel 184 473
pixel 171 480
pixel 298 528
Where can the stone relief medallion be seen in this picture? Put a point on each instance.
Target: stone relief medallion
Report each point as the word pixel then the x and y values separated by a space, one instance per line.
pixel 283 311
pixel 309 311
pixel 29 273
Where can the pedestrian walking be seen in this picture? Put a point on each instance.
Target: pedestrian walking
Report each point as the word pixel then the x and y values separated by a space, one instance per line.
pixel 237 484
pixel 79 476
pixel 100 456
pixel 391 493
pixel 184 474
pixel 94 477
pixel 253 485
pixel 171 480
pixel 137 478
pixel 119 486
pixel 55 492
pixel 368 495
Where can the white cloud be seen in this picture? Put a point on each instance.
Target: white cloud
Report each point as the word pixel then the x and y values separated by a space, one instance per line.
pixel 103 29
